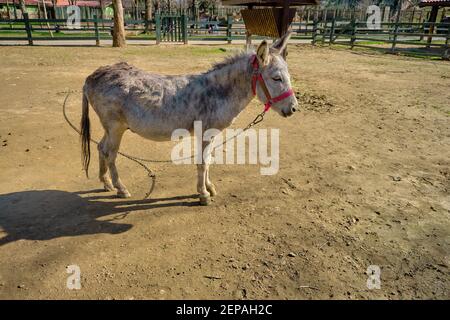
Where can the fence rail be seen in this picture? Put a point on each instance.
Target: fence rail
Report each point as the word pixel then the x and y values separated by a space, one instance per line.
pixel 397 37
pixel 419 38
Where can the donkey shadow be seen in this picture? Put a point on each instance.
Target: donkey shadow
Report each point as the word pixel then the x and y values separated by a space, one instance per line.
pixel 49 214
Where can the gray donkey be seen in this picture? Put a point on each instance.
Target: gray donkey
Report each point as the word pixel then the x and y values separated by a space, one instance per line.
pixel 153 106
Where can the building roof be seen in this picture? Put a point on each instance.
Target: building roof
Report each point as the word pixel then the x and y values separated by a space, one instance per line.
pixel 48 3
pixel 269 3
pixel 63 3
pixel 440 3
pixel 83 3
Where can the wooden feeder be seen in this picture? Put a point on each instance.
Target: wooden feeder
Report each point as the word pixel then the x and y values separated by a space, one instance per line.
pixel 270 18
pixel 267 21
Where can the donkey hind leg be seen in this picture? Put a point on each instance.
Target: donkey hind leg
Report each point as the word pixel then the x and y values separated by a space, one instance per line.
pixel 103 168
pixel 209 185
pixel 113 138
pixel 204 187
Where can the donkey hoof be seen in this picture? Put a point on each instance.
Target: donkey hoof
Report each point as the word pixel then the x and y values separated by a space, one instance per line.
pixel 205 200
pixel 123 194
pixel 108 187
pixel 212 190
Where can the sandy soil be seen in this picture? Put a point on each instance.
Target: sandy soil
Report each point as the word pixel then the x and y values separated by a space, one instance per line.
pixel 364 180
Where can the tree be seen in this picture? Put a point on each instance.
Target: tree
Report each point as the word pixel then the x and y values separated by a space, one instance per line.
pixel 102 8
pixel 7 9
pixel 119 28
pixel 23 8
pixel 148 14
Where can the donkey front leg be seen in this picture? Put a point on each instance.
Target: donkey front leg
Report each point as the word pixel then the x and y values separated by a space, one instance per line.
pixel 205 188
pixel 204 195
pixel 209 185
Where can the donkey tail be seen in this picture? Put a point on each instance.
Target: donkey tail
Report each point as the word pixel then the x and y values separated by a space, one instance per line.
pixel 85 135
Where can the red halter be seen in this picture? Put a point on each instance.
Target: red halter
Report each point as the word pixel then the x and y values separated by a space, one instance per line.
pixel 258 77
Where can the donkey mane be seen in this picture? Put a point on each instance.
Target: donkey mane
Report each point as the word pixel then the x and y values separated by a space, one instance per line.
pixel 236 57
pixel 227 61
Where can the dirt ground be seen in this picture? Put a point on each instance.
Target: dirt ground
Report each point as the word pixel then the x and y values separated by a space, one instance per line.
pixel 364 180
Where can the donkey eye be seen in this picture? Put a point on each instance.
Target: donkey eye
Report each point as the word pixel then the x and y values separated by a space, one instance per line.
pixel 277 79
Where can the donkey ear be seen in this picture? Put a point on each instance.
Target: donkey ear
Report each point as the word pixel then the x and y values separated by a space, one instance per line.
pixel 281 43
pixel 262 53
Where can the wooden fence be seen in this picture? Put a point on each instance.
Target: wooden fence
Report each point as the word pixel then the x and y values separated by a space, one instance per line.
pixel 164 28
pixel 404 37
pixel 397 37
pixel 171 28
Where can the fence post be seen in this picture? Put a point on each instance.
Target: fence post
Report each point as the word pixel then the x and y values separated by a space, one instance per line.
pixel 324 31
pixel 314 34
pixel 97 34
pixel 28 28
pixel 394 39
pixel 333 24
pixel 420 21
pixel 446 55
pixel 354 28
pixel 353 37
pixel 229 25
pixel 86 14
pixel 184 27
pixel 248 40
pixel 432 27
pixel 158 27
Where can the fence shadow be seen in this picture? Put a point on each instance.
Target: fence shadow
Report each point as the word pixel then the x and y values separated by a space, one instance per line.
pixel 49 214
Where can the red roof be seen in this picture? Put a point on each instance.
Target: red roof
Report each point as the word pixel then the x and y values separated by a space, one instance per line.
pixel 270 3
pixel 85 3
pixel 27 2
pixel 62 3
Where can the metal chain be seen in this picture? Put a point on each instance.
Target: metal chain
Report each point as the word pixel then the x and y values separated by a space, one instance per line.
pixel 258 119
pixel 151 174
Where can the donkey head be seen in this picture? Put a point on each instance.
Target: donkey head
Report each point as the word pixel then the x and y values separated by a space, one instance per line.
pixel 274 71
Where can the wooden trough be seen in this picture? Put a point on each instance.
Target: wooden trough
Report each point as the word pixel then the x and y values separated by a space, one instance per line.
pixel 269 18
pixel 266 21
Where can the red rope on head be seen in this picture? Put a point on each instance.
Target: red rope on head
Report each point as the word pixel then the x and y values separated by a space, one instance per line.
pixel 257 76
pixel 255 66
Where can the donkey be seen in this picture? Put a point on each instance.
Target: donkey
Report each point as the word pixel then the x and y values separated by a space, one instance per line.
pixel 153 106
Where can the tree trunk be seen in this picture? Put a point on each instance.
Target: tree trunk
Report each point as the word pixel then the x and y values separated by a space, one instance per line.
pixel 46 18
pixel 148 14
pixel 7 9
pixel 15 10
pixel 23 8
pixel 119 28
pixel 102 7
pixel 102 12
pixel 432 21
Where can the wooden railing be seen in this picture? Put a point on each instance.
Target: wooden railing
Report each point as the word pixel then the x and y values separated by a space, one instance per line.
pixel 397 37
pixel 405 37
